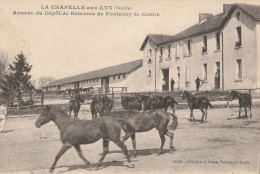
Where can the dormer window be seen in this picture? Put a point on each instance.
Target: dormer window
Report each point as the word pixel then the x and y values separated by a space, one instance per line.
pixel 205 44
pixel 149 56
pixel 238 15
pixel 217 41
pixel 238 37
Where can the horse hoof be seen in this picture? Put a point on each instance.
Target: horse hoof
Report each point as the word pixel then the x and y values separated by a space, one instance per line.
pixel 131 165
pixel 51 170
pixel 134 156
pixel 172 149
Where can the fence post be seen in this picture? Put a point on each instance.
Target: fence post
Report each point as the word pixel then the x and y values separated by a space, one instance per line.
pixel 113 95
pixel 249 91
pixel 122 90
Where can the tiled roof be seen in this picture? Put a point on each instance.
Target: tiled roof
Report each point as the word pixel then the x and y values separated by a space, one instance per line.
pixel 156 38
pixel 209 25
pixel 213 24
pixel 252 10
pixel 113 70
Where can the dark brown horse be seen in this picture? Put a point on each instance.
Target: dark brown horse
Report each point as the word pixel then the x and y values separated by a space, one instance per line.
pixel 75 104
pixel 133 122
pixel 201 103
pixel 154 102
pixel 100 104
pixel 169 101
pixel 144 99
pixel 75 132
pixel 131 103
pixel 244 100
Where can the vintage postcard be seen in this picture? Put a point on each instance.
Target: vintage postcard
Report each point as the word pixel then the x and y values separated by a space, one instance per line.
pixel 130 86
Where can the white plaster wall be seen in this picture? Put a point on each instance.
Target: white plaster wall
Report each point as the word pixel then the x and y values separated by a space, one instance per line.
pixel 247 53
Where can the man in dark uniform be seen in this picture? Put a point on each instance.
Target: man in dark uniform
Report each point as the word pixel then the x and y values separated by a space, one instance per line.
pixel 172 84
pixel 197 81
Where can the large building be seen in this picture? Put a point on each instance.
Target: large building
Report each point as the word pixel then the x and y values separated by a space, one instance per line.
pixel 107 79
pixel 222 50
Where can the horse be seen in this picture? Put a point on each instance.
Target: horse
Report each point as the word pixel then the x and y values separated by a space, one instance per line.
pixel 169 101
pixel 154 103
pixel 100 105
pixel 201 103
pixel 75 132
pixel 244 100
pixel 75 104
pixel 131 103
pixel 144 99
pixel 134 121
pixel 96 106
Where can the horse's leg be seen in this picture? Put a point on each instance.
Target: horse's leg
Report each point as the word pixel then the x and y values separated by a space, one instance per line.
pixel 170 135
pixel 173 109
pixel 245 112
pixel 206 114
pixel 61 152
pixel 77 147
pixel 203 114
pixel 134 144
pixel 239 112
pixel 191 115
pixel 162 141
pixel 127 135
pixel 250 110
pixel 105 150
pixel 124 149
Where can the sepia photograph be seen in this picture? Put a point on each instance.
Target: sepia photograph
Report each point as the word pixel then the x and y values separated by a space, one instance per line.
pixel 130 86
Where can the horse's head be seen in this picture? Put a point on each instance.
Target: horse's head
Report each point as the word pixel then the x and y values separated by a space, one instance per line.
pixel 233 95
pixel 45 117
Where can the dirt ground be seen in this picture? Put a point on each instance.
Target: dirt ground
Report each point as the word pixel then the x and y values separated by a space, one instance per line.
pixel 223 145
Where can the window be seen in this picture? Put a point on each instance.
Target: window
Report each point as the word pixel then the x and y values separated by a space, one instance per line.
pixel 97 80
pixel 205 71
pixel 161 51
pixel 177 50
pixel 205 44
pixel 114 77
pixel 118 76
pixel 124 76
pixel 239 69
pixel 150 56
pixel 187 50
pixel 187 74
pixel 238 37
pixel 169 50
pixel 218 41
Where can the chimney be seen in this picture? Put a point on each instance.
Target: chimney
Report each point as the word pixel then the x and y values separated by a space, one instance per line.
pixel 203 16
pixel 226 8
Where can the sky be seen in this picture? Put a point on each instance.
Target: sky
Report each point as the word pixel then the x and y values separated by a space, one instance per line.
pixel 60 46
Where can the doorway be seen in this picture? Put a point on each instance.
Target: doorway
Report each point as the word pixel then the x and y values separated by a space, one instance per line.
pixel 165 84
pixel 105 84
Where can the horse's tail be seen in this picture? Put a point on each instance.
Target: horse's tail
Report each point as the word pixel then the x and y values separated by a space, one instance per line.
pixel 174 123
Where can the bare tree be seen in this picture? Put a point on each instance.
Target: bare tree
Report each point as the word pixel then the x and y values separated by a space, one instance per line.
pixel 44 81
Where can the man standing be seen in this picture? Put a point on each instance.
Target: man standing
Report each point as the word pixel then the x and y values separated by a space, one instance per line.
pixel 172 84
pixel 197 81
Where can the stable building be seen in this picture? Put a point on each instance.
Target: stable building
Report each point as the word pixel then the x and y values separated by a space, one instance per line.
pixel 107 80
pixel 222 50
